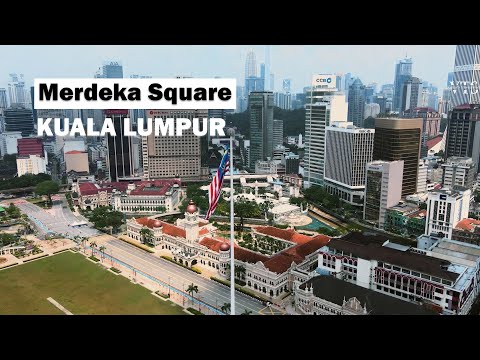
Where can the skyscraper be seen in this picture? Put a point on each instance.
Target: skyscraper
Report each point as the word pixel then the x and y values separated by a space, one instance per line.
pixel 251 64
pixel 268 74
pixel 347 81
pixel 466 75
pixel 387 91
pixel 277 132
pixel 3 99
pixel 18 118
pixel 403 70
pixel 287 85
pixel 119 148
pixel 463 135
pixel 324 105
pixel 356 103
pixel 172 156
pixel 383 189
pixel 110 70
pixel 400 139
pixel 431 124
pixel 411 92
pixel 260 108
pixel 347 151
pixel 16 90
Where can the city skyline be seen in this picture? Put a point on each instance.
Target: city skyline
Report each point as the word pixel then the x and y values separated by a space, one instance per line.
pixel 298 63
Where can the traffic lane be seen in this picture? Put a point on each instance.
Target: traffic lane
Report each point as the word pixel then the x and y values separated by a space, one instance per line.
pixel 211 290
pixel 180 277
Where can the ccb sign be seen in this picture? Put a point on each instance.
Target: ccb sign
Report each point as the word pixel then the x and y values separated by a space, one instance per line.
pixel 325 81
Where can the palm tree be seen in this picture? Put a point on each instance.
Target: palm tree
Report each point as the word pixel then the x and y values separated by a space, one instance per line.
pixel 192 289
pixel 246 312
pixel 226 308
pixel 93 244
pixel 146 234
pixel 102 251
pixel 239 271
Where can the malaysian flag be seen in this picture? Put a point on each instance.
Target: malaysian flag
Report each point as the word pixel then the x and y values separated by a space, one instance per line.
pixel 215 189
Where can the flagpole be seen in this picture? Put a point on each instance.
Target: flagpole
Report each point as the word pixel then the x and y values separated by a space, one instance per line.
pixel 232 235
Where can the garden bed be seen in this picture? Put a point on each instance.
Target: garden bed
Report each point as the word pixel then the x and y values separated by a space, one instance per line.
pixel 194 311
pixel 93 258
pixel 115 270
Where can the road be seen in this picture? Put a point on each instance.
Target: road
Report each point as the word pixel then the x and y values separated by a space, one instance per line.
pixel 210 291
pixel 58 219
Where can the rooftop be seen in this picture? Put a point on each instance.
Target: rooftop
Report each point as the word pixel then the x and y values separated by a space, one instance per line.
pixel 468 225
pixel 144 188
pixel 168 229
pixel 336 291
pixel 370 247
pixel 73 152
pixel 434 141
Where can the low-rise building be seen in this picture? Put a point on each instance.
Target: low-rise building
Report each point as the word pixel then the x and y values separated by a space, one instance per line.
pixel 327 295
pixel 191 241
pixel 134 197
pixel 405 219
pixel 412 274
pixel 467 231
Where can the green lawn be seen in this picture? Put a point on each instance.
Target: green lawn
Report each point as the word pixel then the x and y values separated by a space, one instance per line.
pixel 77 284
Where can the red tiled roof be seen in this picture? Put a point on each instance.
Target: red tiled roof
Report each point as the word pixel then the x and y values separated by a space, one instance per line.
pixel 285 234
pixel 434 141
pixel 418 213
pixel 74 152
pixel 168 229
pixel 279 262
pixel 203 231
pixel 92 189
pixel 160 187
pixel 467 224
pixel 212 244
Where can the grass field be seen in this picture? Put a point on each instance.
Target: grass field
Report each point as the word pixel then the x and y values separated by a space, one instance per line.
pixel 78 285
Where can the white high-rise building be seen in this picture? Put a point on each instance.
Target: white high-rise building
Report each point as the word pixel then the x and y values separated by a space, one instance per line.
pixel 383 189
pixel 459 171
pixel 422 177
pixel 3 99
pixel 324 106
pixel 16 91
pixel 445 208
pixel 8 142
pixel 466 76
pixel 372 110
pixel 251 64
pixel 347 151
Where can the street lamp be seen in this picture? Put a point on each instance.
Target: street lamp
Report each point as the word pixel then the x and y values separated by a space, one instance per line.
pixel 169 286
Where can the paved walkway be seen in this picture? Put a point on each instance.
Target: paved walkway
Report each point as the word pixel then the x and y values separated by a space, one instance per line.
pixel 59 306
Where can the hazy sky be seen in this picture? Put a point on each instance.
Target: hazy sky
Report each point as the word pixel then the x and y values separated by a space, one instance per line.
pixel 372 63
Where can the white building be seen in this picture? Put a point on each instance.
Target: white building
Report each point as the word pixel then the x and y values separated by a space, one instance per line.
pixel 383 189
pixel 324 105
pixel 33 164
pixel 191 241
pixel 269 167
pixel 143 197
pixel 347 151
pixel 422 177
pixel 327 295
pixel 74 145
pixel 372 110
pixel 8 142
pixel 459 171
pixel 440 279
pixel 445 208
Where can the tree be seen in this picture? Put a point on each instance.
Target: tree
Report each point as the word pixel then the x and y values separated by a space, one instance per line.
pixel 48 188
pixel 93 245
pixel 103 217
pixel 192 289
pixel 102 251
pixel 226 308
pixel 239 271
pixel 160 209
pixel 246 312
pixel 13 211
pixel 147 235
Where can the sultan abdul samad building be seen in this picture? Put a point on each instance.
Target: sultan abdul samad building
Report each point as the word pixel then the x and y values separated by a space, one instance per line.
pixel 192 241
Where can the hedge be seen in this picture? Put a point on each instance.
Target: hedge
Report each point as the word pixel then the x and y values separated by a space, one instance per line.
pixel 194 311
pixel 194 269
pixel 161 294
pixel 138 245
pixel 93 258
pixel 115 270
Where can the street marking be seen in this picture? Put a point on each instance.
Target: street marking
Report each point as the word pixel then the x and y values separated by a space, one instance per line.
pixel 56 304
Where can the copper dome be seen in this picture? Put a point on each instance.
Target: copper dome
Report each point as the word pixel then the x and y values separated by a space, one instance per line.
pixel 157 224
pixel 191 208
pixel 224 247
